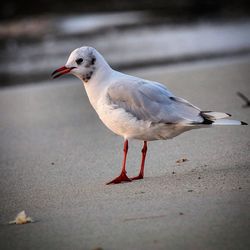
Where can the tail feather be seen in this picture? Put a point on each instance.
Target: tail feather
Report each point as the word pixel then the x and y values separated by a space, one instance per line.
pixel 217 118
pixel 228 122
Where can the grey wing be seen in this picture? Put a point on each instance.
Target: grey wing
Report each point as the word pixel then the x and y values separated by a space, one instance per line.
pixel 153 102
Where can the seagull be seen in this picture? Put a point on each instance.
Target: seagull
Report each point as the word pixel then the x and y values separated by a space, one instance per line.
pixel 136 108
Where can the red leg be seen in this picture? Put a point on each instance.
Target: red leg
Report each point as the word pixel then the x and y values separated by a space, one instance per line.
pixel 144 153
pixel 123 176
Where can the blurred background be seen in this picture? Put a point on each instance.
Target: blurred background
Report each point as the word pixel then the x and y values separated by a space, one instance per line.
pixel 56 155
pixel 37 36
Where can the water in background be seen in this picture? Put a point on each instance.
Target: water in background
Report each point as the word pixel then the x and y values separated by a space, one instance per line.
pixel 32 48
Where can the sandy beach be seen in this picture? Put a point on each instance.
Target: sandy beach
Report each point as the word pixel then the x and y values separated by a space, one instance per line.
pixel 56 157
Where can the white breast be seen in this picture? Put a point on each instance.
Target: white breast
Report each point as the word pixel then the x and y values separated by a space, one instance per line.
pixel 119 121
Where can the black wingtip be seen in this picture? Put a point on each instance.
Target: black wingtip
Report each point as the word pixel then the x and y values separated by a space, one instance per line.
pixel 243 123
pixel 228 114
pixel 206 120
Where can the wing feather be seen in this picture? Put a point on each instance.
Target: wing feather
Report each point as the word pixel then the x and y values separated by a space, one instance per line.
pixel 152 101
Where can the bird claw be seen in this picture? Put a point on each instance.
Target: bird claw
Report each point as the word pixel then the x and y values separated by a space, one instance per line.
pixel 122 177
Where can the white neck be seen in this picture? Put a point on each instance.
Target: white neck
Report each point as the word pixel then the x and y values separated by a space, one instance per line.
pixel 99 81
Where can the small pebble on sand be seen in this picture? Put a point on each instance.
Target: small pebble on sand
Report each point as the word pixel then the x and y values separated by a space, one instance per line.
pixel 182 160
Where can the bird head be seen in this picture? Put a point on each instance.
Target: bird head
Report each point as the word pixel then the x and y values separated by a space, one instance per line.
pixel 82 62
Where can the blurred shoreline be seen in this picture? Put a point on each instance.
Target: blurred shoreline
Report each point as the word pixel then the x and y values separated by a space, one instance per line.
pixel 31 48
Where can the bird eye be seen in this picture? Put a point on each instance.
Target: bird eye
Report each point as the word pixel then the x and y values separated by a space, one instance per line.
pixel 79 61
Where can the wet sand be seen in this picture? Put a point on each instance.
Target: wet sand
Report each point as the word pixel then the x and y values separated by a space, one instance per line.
pixel 56 157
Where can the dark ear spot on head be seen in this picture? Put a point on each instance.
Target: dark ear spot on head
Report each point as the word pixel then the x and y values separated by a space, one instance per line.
pixel 93 60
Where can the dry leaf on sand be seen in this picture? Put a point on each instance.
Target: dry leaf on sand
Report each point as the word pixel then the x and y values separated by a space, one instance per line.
pixel 21 218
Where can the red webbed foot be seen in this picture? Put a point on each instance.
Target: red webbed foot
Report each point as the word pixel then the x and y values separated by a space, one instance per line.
pixel 121 178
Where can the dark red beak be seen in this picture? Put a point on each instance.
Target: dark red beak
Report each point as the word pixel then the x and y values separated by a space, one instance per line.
pixel 61 71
